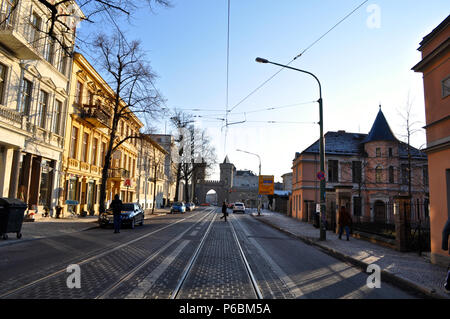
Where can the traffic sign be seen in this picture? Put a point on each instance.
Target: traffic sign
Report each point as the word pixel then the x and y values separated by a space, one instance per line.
pixel 266 185
pixel 321 176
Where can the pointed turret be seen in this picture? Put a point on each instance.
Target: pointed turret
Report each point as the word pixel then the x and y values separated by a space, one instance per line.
pixel 380 130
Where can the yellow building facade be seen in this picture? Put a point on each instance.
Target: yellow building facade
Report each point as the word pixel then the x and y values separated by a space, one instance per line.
pixel 88 128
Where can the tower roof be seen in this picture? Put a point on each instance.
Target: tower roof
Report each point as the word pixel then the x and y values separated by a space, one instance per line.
pixel 380 130
pixel 226 160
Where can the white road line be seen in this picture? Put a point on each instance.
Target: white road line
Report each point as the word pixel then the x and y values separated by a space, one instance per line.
pixel 147 283
pixel 194 233
pixel 289 283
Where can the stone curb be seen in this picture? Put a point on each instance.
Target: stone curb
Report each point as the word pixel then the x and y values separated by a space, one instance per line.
pixel 394 279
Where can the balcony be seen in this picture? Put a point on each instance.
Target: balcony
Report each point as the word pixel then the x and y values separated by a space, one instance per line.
pixel 119 174
pixel 95 115
pixel 13 37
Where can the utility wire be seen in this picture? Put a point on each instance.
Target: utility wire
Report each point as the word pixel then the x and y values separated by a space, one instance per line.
pixel 297 56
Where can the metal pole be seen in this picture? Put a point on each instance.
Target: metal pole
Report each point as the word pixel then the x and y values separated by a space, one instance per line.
pixel 321 147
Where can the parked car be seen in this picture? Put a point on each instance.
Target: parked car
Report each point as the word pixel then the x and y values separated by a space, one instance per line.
pixel 205 204
pixel 238 207
pixel 132 214
pixel 190 206
pixel 179 207
pixel 230 205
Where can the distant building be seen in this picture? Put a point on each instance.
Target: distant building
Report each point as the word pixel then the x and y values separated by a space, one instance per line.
pixel 371 168
pixel 435 66
pixel 287 181
pixel 170 167
pixel 245 178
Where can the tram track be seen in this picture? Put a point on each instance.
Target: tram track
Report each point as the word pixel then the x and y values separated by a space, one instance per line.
pixel 94 256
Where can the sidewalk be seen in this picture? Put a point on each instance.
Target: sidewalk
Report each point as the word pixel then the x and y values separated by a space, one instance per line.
pixel 45 227
pixel 408 270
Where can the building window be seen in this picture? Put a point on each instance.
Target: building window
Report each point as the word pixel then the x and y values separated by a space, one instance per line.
pixel 94 151
pixel 63 62
pixel 57 117
pixel 50 52
pixel 378 152
pixel 3 70
pixel 405 177
pixel 79 93
pixel 391 154
pixel 333 169
pixel 102 154
pixel 356 172
pixel 379 174
pixel 25 97
pixel 73 142
pixel 446 87
pixel 43 109
pixel 357 207
pixel 299 203
pixel 391 175
pixel 35 26
pixel 85 148
pixel 425 175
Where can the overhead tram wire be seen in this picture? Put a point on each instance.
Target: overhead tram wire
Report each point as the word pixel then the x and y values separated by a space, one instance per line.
pixel 228 75
pixel 297 56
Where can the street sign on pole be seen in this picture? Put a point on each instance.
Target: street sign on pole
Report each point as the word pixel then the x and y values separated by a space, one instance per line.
pixel 266 185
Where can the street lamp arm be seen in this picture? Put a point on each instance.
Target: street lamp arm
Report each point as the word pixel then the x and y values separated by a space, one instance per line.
pixel 295 69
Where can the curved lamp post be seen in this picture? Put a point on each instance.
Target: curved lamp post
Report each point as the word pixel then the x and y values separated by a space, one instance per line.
pixel 321 146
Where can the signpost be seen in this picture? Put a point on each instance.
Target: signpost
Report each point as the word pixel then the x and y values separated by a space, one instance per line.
pixel 266 185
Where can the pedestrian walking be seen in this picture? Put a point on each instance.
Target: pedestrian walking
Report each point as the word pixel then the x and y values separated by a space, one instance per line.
pixel 116 206
pixel 345 221
pixel 445 246
pixel 224 211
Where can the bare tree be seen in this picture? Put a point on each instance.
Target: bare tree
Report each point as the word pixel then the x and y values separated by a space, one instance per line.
pixel 129 74
pixel 62 16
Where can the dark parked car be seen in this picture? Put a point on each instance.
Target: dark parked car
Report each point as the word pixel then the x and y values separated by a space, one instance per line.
pixel 179 207
pixel 132 214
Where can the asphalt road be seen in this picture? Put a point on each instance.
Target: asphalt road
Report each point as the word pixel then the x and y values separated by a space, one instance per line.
pixel 190 256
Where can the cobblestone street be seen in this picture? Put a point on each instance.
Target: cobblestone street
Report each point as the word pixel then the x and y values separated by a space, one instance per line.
pixel 185 256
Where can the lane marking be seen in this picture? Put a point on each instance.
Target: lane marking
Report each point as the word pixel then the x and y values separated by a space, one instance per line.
pixel 147 283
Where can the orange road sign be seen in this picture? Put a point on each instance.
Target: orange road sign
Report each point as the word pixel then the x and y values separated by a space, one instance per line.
pixel 266 185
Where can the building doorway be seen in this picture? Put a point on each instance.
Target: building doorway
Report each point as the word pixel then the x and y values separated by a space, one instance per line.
pixel 379 212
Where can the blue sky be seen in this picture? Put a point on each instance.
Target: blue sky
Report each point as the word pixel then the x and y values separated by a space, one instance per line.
pixel 359 68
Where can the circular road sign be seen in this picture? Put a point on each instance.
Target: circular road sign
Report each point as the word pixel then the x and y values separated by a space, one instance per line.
pixel 320 176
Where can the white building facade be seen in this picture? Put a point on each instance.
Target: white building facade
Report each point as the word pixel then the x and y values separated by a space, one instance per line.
pixel 34 84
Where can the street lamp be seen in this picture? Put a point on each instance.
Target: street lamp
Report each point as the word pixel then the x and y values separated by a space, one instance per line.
pixel 259 198
pixel 321 145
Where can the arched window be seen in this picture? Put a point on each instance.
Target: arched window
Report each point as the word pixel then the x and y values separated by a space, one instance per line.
pixel 378 174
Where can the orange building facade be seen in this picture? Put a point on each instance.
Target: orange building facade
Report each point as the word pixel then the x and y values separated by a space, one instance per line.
pixel 364 173
pixel 435 66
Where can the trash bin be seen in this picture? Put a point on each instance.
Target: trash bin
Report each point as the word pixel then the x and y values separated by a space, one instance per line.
pixel 12 211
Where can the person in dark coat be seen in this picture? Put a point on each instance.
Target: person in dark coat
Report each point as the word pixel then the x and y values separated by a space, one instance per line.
pixel 116 206
pixel 224 211
pixel 344 222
